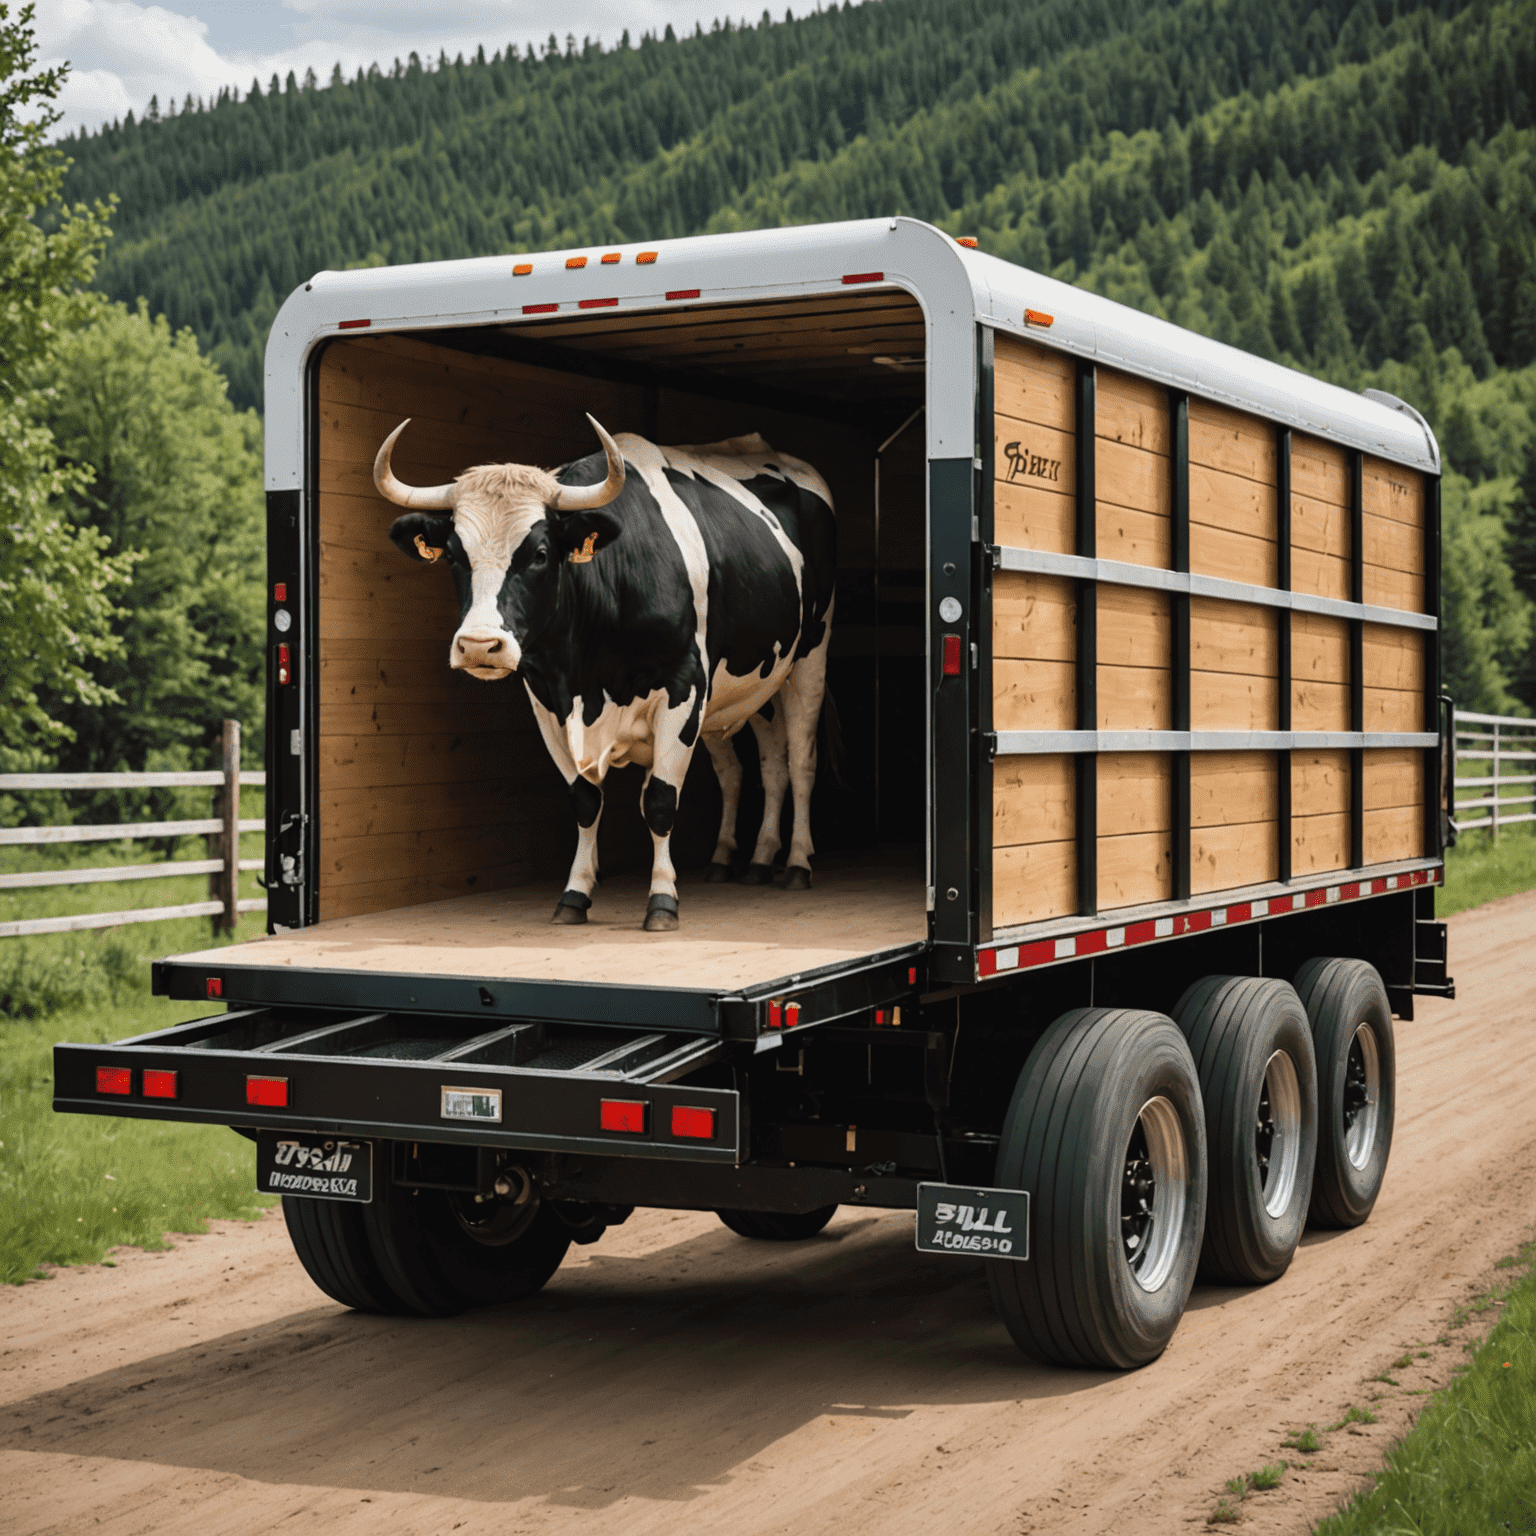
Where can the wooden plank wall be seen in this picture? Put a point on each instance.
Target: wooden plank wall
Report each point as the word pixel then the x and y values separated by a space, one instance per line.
pixel 1235 656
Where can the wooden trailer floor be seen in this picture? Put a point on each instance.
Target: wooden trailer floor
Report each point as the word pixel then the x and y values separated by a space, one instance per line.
pixel 730 935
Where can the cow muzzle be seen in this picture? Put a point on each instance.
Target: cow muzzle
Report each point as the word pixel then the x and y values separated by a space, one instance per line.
pixel 487 657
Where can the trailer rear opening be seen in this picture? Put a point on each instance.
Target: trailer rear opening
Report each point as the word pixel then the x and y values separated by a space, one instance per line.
pixel 1129 865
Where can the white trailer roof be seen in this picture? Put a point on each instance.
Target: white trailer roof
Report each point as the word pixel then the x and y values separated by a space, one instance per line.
pixel 956 288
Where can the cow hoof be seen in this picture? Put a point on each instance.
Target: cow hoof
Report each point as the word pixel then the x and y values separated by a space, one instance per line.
pixel 572 909
pixel 661 914
pixel 718 874
pixel 758 874
pixel 797 878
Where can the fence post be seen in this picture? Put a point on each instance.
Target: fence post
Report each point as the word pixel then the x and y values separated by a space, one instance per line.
pixel 229 878
pixel 1495 781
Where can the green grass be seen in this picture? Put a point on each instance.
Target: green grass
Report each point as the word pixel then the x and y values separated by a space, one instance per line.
pixel 1469 1464
pixel 72 1187
pixel 1477 869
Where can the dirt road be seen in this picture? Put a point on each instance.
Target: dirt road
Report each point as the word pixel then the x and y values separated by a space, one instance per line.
pixel 675 1377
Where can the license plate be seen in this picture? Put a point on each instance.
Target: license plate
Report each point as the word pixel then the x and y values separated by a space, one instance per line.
pixel 323 1167
pixel 958 1218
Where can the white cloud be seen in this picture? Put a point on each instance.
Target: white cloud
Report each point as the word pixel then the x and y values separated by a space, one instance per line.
pixel 122 53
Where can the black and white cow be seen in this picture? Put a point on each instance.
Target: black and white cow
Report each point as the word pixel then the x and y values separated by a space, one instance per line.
pixel 648 597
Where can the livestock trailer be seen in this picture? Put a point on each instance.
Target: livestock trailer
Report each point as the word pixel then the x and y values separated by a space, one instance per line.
pixel 1129 864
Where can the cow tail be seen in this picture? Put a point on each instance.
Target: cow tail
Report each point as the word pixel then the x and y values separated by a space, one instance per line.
pixel 829 738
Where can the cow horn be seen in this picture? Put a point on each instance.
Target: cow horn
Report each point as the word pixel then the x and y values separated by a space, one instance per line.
pixel 583 498
pixel 429 498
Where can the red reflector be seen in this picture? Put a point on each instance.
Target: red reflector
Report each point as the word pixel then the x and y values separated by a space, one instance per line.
pixel 540 309
pixel 699 1124
pixel 114 1080
pixel 596 303
pixel 775 1015
pixel 159 1084
pixel 284 665
pixel 863 277
pixel 627 1115
pixel 354 325
pixel 280 592
pixel 911 975
pixel 269 1092
pixel 215 987
pixel 951 655
pixel 683 293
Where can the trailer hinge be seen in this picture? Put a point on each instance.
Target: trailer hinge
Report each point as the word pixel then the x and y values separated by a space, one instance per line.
pixel 989 741
pixel 291 865
pixel 992 555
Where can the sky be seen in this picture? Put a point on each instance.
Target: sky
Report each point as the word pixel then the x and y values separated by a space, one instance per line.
pixel 122 53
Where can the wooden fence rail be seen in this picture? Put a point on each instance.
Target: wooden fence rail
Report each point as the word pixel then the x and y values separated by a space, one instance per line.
pixel 1494 742
pixel 223 830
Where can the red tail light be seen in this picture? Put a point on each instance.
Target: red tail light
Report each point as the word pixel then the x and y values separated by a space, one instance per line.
pixel 268 1092
pixel 775 1014
pixel 159 1084
pixel 284 665
pixel 687 1120
pixel 951 655
pixel 626 1115
pixel 114 1080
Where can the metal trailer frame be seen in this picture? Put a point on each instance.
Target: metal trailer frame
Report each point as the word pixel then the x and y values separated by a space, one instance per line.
pixel 966 298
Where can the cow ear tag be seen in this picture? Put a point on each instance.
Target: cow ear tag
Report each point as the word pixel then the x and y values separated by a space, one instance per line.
pixel 583 555
pixel 427 553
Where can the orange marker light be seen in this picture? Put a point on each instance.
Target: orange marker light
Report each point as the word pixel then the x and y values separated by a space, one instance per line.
pixel 609 257
pixel 645 258
pixel 572 262
pixel 970 242
pixel 522 269
pixel 1038 317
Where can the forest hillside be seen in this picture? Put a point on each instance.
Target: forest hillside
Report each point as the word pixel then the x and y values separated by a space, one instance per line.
pixel 1348 187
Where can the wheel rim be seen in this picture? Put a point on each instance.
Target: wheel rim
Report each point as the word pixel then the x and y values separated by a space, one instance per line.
pixel 1277 1137
pixel 492 1222
pixel 1362 1096
pixel 1153 1192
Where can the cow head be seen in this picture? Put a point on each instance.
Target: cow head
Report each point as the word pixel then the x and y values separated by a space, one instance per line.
pixel 506 531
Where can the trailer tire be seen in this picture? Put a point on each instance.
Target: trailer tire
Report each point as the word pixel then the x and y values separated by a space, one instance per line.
pixel 778 1226
pixel 1252 1044
pixel 439 1267
pixel 331 1242
pixel 1106 1116
pixel 1351 1019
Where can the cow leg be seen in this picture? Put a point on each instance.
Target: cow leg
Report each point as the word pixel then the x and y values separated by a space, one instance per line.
pixel 768 727
pixel 658 804
pixel 587 798
pixel 802 695
pixel 722 753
